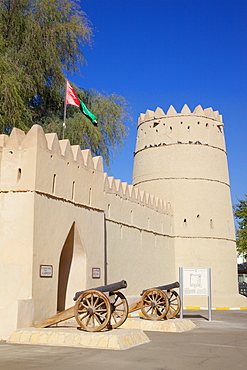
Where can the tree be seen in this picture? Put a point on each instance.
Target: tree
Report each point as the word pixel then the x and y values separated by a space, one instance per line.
pixel 240 213
pixel 41 41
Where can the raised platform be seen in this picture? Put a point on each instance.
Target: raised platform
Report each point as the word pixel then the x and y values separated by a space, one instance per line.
pixel 129 335
pixel 118 339
pixel 172 325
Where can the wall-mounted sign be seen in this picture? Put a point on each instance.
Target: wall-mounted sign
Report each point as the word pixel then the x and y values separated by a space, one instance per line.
pixel 46 271
pixel 96 273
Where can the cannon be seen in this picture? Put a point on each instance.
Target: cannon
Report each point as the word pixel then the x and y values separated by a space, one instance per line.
pixel 95 309
pixel 159 302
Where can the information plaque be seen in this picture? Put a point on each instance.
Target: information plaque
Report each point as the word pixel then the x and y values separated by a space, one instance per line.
pixel 46 271
pixel 96 272
pixel 195 282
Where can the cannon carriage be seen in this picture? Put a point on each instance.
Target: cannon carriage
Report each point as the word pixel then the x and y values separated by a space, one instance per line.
pixel 159 302
pixel 95 309
pixel 105 306
pixel 101 307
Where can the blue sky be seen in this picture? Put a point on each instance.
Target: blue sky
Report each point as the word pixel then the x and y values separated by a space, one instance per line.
pixel 163 52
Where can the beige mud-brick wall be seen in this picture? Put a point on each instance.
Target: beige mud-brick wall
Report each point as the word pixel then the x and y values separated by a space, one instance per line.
pixel 138 237
pixel 51 214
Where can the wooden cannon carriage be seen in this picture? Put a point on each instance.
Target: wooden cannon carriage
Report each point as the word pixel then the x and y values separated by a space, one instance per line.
pixel 158 303
pixel 106 306
pixel 95 309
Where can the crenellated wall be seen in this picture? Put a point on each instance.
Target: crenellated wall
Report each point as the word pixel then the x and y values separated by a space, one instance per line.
pixel 58 208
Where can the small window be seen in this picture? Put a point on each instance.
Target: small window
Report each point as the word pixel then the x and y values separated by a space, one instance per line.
pixel 19 174
pixel 211 223
pixel 73 191
pixel 54 183
pixel 90 196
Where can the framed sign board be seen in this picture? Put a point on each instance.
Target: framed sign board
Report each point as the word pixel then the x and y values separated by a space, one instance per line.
pixel 195 282
pixel 46 271
pixel 96 272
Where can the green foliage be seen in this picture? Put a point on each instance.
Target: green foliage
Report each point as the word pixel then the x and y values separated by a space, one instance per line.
pixel 240 213
pixel 41 41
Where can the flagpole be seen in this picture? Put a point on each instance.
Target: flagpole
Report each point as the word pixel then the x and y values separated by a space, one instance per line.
pixel 64 112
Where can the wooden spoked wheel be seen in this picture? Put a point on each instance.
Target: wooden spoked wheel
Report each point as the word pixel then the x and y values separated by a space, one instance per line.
pixel 92 310
pixel 154 304
pixel 174 304
pixel 119 309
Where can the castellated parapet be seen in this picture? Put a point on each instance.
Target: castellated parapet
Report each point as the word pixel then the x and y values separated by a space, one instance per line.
pixel 200 127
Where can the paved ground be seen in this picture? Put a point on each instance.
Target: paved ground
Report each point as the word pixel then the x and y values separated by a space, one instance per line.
pixel 220 344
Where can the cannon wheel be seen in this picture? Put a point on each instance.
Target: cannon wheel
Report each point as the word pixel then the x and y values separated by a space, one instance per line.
pixel 92 310
pixel 154 304
pixel 174 304
pixel 119 309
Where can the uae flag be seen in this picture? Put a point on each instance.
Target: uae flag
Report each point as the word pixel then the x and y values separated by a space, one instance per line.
pixel 73 99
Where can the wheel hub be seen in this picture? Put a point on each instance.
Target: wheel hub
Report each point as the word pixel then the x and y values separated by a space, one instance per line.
pixel 90 311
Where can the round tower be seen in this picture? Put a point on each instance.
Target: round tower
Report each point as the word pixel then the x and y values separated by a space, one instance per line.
pixel 181 157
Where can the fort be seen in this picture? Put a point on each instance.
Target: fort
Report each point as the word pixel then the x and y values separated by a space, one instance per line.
pixel 65 225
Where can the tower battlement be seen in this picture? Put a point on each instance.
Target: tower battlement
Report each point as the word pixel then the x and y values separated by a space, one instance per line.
pixel 200 127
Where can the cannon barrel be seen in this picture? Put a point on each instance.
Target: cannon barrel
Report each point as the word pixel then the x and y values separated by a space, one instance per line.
pixel 105 288
pixel 164 287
